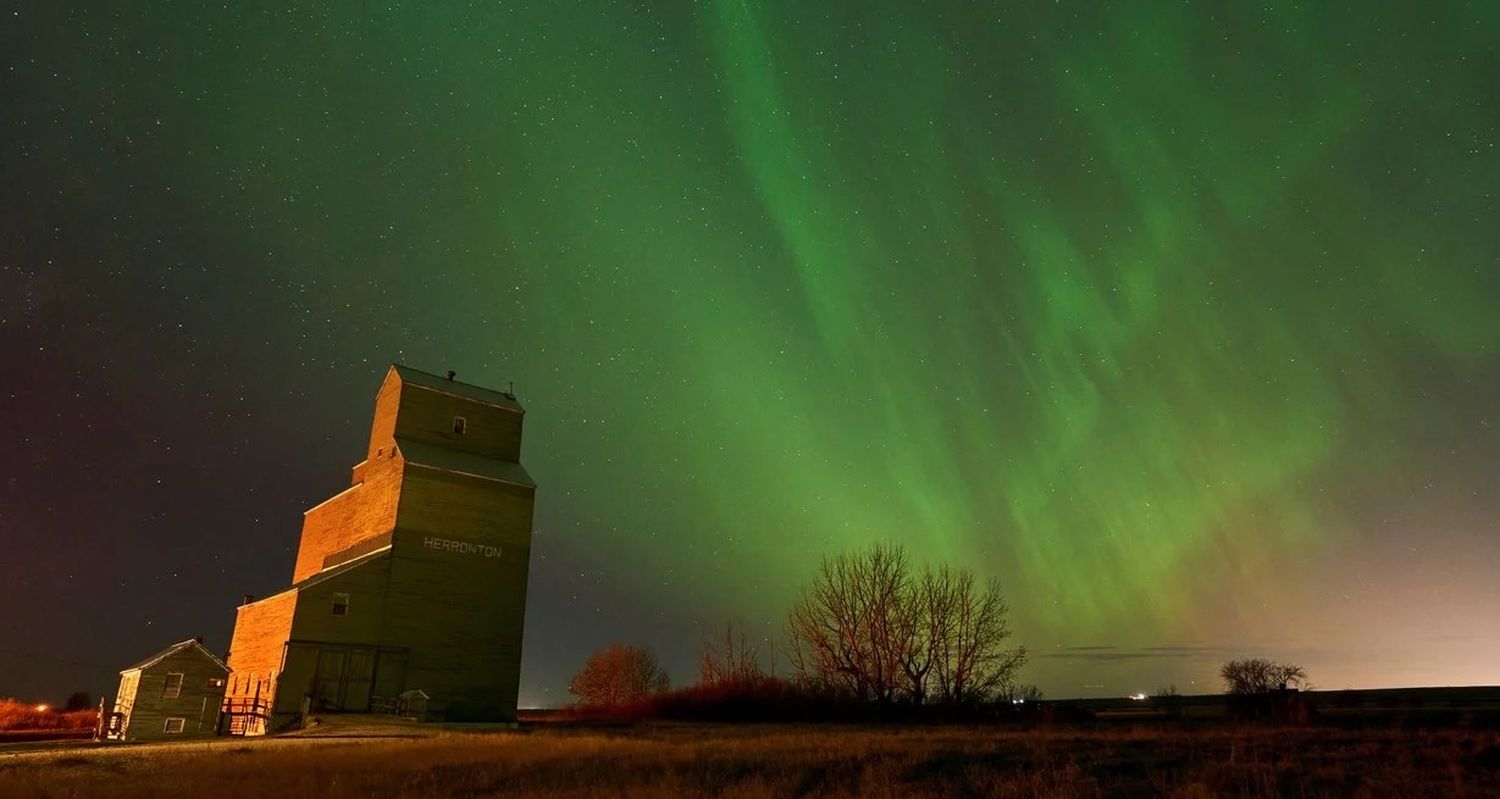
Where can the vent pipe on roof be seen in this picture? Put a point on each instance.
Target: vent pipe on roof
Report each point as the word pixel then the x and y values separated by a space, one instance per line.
pixel 452 374
pixel 248 599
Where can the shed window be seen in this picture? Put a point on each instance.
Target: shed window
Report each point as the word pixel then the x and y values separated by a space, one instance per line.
pixel 174 726
pixel 341 604
pixel 460 424
pixel 173 687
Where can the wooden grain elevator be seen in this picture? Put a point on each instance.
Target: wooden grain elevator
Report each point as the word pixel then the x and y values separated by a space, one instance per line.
pixel 411 579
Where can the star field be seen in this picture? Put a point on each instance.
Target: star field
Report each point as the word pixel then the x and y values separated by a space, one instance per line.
pixel 1180 320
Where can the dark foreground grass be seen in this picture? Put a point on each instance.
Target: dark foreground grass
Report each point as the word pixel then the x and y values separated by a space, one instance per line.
pixel 789 761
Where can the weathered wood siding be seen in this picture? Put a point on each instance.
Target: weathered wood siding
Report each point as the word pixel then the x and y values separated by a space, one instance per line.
pixel 365 586
pixel 387 406
pixel 460 611
pixel 261 630
pixel 316 629
pixel 197 705
pixel 427 415
pixel 365 511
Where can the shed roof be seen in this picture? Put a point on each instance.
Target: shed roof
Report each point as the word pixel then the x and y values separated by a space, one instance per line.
pixel 172 650
pixel 460 462
pixel 417 377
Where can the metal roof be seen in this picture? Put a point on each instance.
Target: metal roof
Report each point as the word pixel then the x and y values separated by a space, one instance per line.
pixel 172 650
pixel 327 572
pixel 416 377
pixel 334 571
pixel 460 462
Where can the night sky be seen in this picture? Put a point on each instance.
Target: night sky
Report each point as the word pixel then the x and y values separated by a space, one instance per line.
pixel 1181 320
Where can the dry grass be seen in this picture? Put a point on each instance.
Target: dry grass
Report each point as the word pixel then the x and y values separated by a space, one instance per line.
pixel 22 716
pixel 783 761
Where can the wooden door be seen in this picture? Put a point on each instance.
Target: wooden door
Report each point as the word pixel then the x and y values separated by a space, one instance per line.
pixel 328 688
pixel 358 677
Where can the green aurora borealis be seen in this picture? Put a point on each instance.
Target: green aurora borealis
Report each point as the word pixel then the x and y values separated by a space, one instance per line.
pixel 1180 319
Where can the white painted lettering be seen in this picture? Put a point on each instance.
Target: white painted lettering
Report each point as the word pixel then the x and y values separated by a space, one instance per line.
pixel 460 547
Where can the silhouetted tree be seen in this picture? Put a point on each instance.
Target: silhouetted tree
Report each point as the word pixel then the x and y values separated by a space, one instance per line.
pixel 1022 693
pixel 618 674
pixel 966 630
pixel 1260 676
pixel 79 700
pixel 1169 699
pixel 728 658
pixel 846 632
pixel 868 628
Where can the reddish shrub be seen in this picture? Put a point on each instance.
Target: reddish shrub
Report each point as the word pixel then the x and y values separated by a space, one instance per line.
pixel 770 699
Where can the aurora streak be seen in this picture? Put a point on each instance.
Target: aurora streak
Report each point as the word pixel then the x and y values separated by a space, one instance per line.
pixel 1181 321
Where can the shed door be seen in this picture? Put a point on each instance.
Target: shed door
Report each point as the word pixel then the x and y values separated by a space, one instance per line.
pixel 360 674
pixel 328 688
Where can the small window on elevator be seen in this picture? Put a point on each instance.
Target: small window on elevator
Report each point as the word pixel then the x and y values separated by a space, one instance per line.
pixel 341 604
pixel 460 425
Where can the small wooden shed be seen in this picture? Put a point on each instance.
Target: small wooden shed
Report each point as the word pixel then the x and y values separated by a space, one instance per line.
pixel 175 693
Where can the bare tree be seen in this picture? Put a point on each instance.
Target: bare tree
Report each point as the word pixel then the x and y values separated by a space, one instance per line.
pixel 618 674
pixel 921 621
pixel 972 663
pixel 867 627
pixel 728 658
pixel 846 631
pixel 1021 693
pixel 1260 676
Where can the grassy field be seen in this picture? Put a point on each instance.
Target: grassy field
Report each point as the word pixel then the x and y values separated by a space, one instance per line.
pixel 782 761
pixel 21 717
